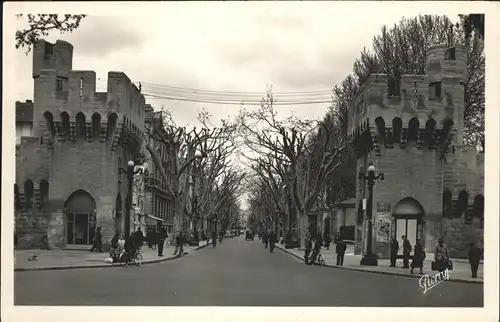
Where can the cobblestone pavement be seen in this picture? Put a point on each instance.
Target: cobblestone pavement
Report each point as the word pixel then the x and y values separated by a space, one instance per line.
pixel 235 273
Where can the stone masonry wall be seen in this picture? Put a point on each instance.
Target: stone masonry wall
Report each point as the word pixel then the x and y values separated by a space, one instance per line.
pixel 89 166
pixel 410 172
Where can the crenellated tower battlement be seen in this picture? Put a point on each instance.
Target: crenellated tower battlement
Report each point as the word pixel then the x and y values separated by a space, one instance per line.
pixel 67 106
pixel 420 107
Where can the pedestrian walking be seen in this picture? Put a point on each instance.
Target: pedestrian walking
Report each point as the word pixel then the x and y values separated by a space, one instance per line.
pixel 97 243
pixel 441 257
pixel 161 237
pixel 139 237
pixel 406 251
pixel 340 250
pixel 114 246
pixel 418 257
pixel 272 241
pixel 328 240
pixel 214 239
pixel 265 239
pixel 179 244
pixel 474 258
pixel 130 245
pixel 149 236
pixel 394 251
pixel 308 248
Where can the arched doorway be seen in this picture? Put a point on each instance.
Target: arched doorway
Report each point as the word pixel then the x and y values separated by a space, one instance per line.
pixel 80 213
pixel 409 221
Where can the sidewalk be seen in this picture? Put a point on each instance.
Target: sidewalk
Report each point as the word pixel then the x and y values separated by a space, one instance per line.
pixel 460 273
pixel 72 259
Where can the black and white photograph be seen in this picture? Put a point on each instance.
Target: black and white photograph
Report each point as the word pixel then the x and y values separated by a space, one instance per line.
pixel 240 154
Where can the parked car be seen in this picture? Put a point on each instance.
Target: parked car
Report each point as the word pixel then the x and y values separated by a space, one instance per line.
pixel 249 235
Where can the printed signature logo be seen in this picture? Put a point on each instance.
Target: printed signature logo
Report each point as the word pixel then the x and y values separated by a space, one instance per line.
pixel 428 282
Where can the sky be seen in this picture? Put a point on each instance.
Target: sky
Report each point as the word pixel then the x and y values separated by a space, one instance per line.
pixel 235 48
pixel 241 48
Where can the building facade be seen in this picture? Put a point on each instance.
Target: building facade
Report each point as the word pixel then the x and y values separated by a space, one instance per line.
pixel 159 202
pixel 68 180
pixel 433 185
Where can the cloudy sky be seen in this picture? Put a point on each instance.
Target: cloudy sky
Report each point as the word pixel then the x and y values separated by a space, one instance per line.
pixel 228 50
pixel 225 47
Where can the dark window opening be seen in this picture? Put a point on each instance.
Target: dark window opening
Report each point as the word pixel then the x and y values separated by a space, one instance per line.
pixel 65 124
pixel 479 207
pixel 59 86
pixel 463 200
pixel 450 54
pixel 447 201
pixel 44 192
pixel 28 193
pixel 435 90
pixel 413 127
pixel 96 125
pixel 396 127
pixel 80 125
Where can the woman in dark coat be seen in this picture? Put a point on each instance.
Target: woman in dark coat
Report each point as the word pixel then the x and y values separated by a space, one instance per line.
pixel 97 244
pixel 418 257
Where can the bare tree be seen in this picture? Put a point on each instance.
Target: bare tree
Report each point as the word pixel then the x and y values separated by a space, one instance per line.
pixel 311 148
pixel 202 155
pixel 217 177
pixel 183 148
pixel 42 24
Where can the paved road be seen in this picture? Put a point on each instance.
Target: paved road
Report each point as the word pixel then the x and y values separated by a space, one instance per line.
pixel 235 273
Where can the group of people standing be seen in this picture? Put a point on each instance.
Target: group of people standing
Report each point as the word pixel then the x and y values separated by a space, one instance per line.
pixel 441 256
pixel 156 241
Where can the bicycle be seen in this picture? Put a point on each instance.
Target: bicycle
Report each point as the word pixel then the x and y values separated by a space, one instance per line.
pixel 320 260
pixel 137 259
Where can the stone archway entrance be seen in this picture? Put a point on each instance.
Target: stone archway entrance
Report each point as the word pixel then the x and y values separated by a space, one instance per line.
pixel 408 216
pixel 81 218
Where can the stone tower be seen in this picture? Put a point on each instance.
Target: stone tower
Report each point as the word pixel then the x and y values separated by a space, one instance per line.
pixel 407 134
pixel 80 140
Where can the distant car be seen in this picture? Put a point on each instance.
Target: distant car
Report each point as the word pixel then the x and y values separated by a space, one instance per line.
pixel 249 235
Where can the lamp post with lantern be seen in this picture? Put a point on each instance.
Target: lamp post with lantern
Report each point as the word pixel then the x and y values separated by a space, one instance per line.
pixel 369 258
pixel 128 205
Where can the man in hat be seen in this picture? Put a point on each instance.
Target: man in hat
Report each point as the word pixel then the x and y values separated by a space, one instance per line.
pixel 474 258
pixel 406 252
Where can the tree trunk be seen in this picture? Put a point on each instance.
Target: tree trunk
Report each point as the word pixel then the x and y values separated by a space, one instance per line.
pixel 179 215
pixel 302 221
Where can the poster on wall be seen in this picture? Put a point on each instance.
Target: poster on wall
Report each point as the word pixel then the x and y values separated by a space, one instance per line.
pixel 383 227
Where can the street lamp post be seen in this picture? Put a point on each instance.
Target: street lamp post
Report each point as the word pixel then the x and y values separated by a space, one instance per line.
pixel 128 206
pixel 369 258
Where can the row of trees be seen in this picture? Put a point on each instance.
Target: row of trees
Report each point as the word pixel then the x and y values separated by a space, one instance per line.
pixel 312 162
pixel 205 182
pixel 309 162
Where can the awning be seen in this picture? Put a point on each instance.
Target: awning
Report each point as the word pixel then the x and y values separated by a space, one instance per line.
pixel 156 218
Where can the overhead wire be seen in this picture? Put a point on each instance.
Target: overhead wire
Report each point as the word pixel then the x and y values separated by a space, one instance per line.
pixel 175 93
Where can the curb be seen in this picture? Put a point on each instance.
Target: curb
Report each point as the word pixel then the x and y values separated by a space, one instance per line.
pixel 378 272
pixel 56 268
